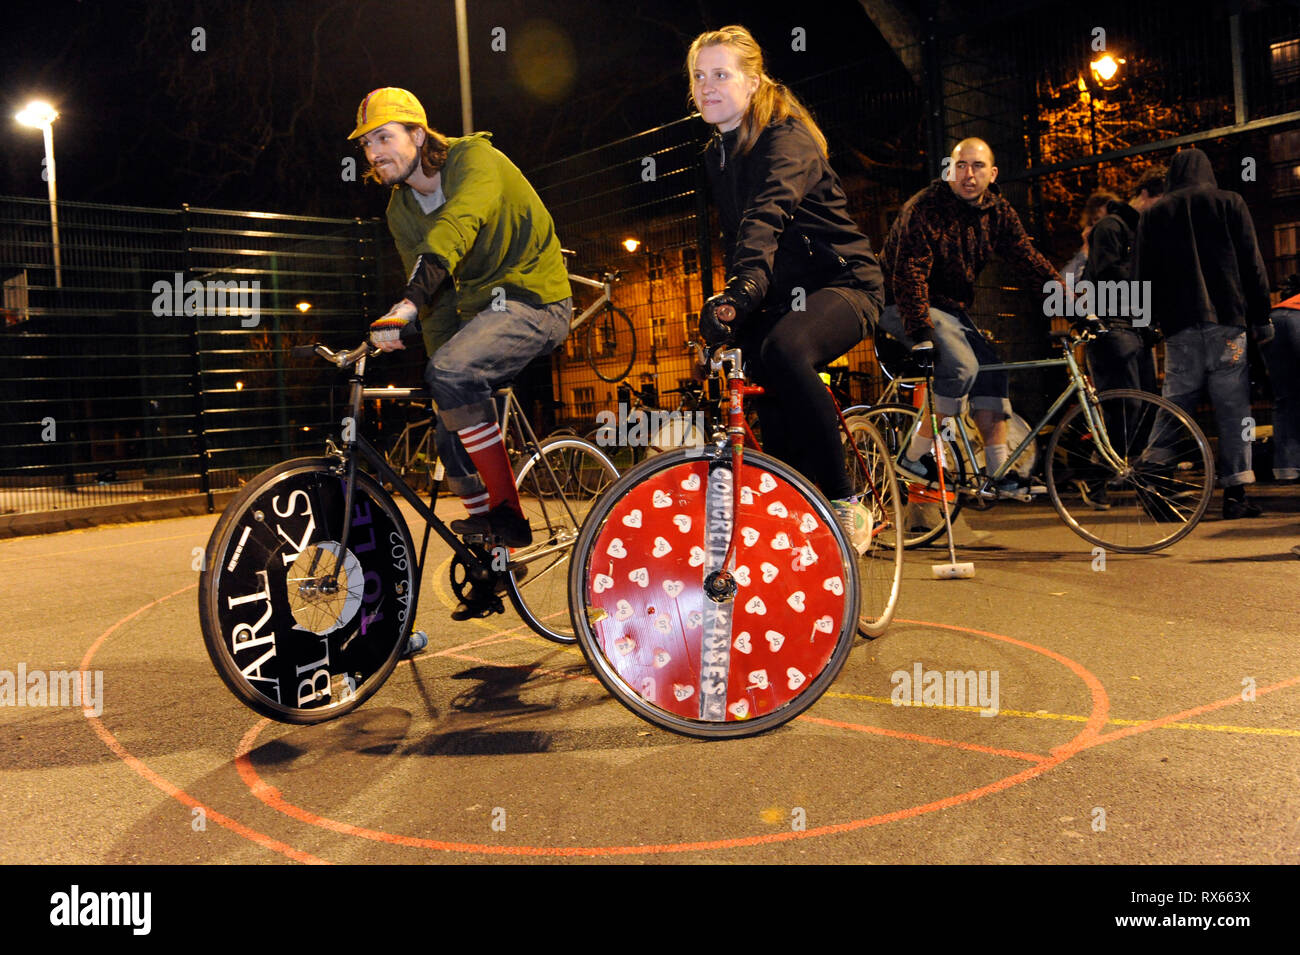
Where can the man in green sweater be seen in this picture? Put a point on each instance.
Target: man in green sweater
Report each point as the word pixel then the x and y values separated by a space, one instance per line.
pixel 486 279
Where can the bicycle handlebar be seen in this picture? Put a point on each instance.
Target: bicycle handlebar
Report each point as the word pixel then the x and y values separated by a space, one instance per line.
pixel 343 360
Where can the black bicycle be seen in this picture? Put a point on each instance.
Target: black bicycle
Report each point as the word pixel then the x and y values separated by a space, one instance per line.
pixel 310 583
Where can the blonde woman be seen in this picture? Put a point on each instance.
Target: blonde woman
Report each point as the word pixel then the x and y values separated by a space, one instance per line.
pixel 803 286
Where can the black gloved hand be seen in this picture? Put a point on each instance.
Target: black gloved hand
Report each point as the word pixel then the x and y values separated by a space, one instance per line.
pixel 1091 324
pixel 718 320
pixel 925 355
pixel 1263 333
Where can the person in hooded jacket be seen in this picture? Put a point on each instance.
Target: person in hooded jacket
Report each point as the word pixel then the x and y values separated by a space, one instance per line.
pixel 1197 247
pixel 1121 358
pixel 803 286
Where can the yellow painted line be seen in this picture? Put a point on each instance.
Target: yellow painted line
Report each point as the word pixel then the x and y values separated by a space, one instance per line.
pixel 1071 718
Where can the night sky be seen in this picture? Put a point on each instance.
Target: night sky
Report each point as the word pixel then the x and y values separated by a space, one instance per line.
pixel 259 118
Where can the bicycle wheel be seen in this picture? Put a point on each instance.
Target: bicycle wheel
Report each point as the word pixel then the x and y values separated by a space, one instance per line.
pixel 557 487
pixel 290 641
pixel 1017 430
pixel 880 570
pixel 922 506
pixel 1155 498
pixel 669 653
pixel 611 343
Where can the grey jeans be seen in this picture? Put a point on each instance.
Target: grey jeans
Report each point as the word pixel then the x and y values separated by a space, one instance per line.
pixel 1211 357
pixel 961 349
pixel 487 353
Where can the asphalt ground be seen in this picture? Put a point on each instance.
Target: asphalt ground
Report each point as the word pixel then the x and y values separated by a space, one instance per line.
pixel 1148 713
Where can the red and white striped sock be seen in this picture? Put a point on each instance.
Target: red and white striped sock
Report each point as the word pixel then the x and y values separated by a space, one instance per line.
pixel 487 450
pixel 476 503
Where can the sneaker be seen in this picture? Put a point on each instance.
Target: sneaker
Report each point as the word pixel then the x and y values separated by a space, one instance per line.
pixel 501 524
pixel 1238 507
pixel 855 518
pixel 925 471
pixel 415 643
pixel 1096 498
pixel 479 602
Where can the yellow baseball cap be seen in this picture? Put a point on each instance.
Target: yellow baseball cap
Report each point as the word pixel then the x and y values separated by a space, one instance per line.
pixel 388 104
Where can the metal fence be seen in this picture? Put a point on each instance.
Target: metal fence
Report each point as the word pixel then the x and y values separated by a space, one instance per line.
pixel 154 361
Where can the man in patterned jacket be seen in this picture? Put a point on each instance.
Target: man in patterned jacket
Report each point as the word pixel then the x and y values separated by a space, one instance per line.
pixel 932 256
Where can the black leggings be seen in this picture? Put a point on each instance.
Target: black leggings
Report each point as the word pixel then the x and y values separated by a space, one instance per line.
pixel 796 412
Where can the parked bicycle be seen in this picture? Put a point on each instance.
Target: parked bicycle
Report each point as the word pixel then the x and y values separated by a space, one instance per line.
pixel 712 589
pixel 610 339
pixel 1126 470
pixel 311 583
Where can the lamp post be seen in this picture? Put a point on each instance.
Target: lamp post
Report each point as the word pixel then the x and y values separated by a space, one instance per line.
pixel 41 115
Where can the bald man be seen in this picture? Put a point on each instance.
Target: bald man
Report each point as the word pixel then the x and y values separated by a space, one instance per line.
pixel 933 254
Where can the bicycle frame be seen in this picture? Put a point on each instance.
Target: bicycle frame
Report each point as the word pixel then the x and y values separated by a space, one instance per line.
pixel 1079 385
pixel 606 295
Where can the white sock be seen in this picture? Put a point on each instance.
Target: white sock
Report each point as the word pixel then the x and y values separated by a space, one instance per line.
pixel 995 455
pixel 921 443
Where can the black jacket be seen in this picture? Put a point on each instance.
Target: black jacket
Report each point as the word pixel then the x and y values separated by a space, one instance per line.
pixel 1112 247
pixel 1197 247
pixel 785 221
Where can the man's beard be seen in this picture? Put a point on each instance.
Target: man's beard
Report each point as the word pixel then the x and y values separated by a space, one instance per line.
pixel 415 163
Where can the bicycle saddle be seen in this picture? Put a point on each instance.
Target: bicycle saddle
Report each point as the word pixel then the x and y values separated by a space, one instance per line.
pixel 894 357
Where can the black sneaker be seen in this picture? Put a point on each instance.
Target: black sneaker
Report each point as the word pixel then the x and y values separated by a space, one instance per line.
pixel 502 524
pixel 925 471
pixel 479 602
pixel 1237 506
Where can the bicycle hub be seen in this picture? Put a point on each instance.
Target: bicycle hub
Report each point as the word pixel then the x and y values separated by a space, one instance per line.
pixel 720 586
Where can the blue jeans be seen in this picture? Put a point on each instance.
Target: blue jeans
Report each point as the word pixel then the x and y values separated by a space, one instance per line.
pixel 1282 356
pixel 1212 357
pixel 486 354
pixel 961 350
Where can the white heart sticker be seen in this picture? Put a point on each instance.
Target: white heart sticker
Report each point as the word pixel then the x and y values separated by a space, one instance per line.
pixel 633 519
pixel 780 542
pixel 824 624
pixel 808 524
pixel 758 679
pixel 834 585
pixel 739 709
pixel 769 572
pixel 673 587
pixel 756 606
pixel 692 483
pixel 683 522
pixel 807 556
pixel 697 556
pixel 661 499
pixel 625 645
pixel 795 600
pixel 741 574
pixel 648 687
pixel 766 483
pixel 616 549
pixel 661 547
pixel 694 619
pixel 741 643
pixel 602 583
pixel 777 509
pixel 663 624
pixel 684 692
pixel 795 678
pixel 623 610
pixel 774 640
pixel 661 658
pixel 640 577
pixel 746 495
pixel 749 536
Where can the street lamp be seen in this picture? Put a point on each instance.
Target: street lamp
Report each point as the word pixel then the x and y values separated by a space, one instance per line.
pixel 41 115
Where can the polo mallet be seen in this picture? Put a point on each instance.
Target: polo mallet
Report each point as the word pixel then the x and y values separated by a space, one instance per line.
pixel 953 570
